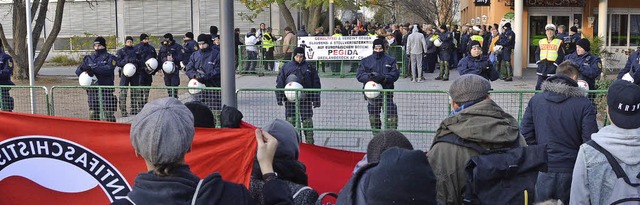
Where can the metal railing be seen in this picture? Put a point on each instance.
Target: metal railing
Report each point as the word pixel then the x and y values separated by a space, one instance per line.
pixel 17 99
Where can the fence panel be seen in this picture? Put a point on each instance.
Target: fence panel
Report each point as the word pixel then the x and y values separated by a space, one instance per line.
pixel 18 99
pixel 120 101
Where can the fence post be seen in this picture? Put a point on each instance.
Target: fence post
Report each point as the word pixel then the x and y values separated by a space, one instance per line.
pixel 298 119
pixel 384 110
pixel 520 102
pixel 101 105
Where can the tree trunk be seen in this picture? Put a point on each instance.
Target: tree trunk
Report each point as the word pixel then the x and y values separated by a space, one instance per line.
pixel 39 22
pixel 20 54
pixel 46 47
pixel 286 13
pixel 314 20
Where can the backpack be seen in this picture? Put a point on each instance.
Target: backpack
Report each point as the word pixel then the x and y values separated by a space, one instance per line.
pixel 625 190
pixel 501 176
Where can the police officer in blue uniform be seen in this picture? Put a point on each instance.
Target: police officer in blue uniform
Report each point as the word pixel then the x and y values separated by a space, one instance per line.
pixel 478 63
pixel 190 46
pixel 508 41
pixel 445 52
pixel 204 66
pixel 101 64
pixel 632 67
pixel 144 52
pixel 298 70
pixel 6 71
pixel 569 41
pixel 126 55
pixel 170 51
pixel 589 65
pixel 380 68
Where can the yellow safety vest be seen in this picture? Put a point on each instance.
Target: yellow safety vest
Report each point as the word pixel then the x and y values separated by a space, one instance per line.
pixel 477 38
pixel 370 34
pixel 549 50
pixel 267 43
pixel 337 35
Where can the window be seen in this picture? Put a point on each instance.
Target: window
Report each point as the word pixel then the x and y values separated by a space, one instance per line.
pixel 635 30
pixel 619 26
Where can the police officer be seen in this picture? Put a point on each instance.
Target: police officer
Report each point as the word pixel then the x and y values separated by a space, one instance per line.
pixel 126 55
pixel 6 71
pixel 507 41
pixel 380 68
pixel 445 52
pixel 171 51
pixel 569 41
pixel 548 52
pixel 431 57
pixel 477 63
pixel 101 64
pixel 632 67
pixel 589 65
pixel 190 46
pixel 464 41
pixel 144 52
pixel 298 70
pixel 204 66
pixel 267 44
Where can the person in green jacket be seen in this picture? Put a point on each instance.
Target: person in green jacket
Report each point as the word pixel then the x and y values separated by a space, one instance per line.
pixel 476 118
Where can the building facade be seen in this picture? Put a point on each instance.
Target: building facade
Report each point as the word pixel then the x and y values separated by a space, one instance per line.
pixel 621 31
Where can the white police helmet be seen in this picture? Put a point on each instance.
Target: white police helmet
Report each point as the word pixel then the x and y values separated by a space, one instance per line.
pixel 550 27
pixel 152 64
pixel 375 89
pixel 168 67
pixel 85 80
pixel 290 94
pixel 193 83
pixel 628 77
pixel 129 70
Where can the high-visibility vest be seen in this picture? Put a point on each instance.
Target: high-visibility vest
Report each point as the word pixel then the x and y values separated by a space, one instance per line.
pixel 477 38
pixel 549 50
pixel 267 42
pixel 337 35
pixel 372 34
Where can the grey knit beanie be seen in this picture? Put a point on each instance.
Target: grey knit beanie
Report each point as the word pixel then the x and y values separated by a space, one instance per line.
pixel 163 131
pixel 468 88
pixel 285 133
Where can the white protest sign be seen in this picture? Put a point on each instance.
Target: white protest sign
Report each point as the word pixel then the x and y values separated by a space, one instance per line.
pixel 329 48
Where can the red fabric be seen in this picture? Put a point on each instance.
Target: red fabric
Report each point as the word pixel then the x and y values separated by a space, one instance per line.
pixel 328 169
pixel 228 151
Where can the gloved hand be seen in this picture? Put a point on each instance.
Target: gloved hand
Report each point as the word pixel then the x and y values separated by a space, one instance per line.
pixel 377 77
pixel 280 103
pixel 199 76
pixel 89 72
pixel 316 104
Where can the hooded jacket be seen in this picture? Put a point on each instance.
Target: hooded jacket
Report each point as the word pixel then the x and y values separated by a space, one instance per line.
pixel 416 43
pixel 593 178
pixel 562 118
pixel 179 189
pixel 484 123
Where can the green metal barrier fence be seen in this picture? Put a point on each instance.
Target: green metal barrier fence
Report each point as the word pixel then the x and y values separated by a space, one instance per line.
pixel 17 99
pixel 259 65
pixel 119 101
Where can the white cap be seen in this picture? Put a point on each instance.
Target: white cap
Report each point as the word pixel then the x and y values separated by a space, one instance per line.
pixel 550 27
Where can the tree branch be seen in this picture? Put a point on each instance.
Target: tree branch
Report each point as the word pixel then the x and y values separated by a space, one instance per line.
pixel 34 8
pixel 46 47
pixel 39 22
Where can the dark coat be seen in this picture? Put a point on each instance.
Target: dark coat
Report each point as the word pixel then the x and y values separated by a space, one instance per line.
pixel 6 69
pixel 589 66
pixel 632 65
pixel 480 66
pixel 562 118
pixel 206 63
pixel 179 189
pixel 386 65
pixel 307 76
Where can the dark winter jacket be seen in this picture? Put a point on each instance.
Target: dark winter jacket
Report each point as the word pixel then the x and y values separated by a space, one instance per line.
pixel 190 47
pixel 6 69
pixel 101 64
pixel 386 66
pixel 306 74
pixel 633 66
pixel 179 189
pixel 204 65
pixel 401 177
pixel 480 66
pixel 589 66
pixel 562 118
pixel 175 50
pixel 144 52
pixel 484 123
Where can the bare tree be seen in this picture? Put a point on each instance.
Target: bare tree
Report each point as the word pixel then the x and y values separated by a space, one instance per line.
pixel 19 50
pixel 431 11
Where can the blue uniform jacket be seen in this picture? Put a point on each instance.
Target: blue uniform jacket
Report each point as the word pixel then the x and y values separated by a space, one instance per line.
pixel 102 64
pixel 204 65
pixel 569 42
pixel 307 77
pixel 480 66
pixel 464 43
pixel 6 69
pixel 633 65
pixel 447 40
pixel 126 55
pixel 175 50
pixel 589 66
pixel 508 41
pixel 385 65
pixel 190 47
pixel 144 52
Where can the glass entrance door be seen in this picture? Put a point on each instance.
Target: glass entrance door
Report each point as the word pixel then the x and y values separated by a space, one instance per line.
pixel 536 32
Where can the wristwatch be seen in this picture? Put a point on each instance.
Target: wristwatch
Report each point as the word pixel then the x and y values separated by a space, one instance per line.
pixel 269 176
